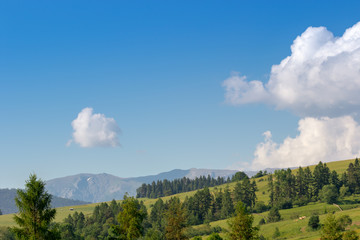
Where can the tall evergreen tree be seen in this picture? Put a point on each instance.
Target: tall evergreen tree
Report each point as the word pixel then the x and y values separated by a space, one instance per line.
pixel 241 225
pixel 130 219
pixel 227 208
pixel 245 191
pixel 175 220
pixel 35 213
pixel 321 176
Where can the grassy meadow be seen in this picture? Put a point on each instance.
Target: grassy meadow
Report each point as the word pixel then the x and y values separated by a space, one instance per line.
pixel 291 227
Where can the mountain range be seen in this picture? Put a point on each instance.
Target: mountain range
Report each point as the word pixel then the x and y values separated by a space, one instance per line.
pixel 7 202
pixel 105 187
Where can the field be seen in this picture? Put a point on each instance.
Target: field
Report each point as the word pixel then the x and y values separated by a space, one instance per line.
pixel 291 227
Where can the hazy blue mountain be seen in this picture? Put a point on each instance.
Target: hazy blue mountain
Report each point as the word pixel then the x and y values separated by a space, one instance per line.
pixel 105 187
pixel 7 202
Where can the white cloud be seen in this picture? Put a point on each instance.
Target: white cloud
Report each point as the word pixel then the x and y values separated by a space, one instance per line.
pixel 319 139
pixel 320 78
pixel 94 130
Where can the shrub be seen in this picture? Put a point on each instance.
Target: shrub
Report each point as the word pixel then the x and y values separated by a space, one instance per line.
pixel 215 236
pixel 276 233
pixel 350 235
pixel 329 194
pixel 314 222
pixel 274 215
pixel 262 221
pixel 260 207
pixel 344 191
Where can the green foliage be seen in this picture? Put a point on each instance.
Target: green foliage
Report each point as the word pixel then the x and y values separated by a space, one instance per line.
pixel 239 176
pixel 6 234
pixel 329 194
pixel 130 219
pixel 344 221
pixel 165 187
pixel 197 238
pixel 227 208
pixel 276 233
pixel 202 230
pixel 350 235
pixel 35 213
pixel 154 234
pixel 260 207
pixel 241 225
pixel 344 192
pixel 175 220
pixel 260 174
pixel 274 215
pixel 262 221
pixel 314 222
pixel 321 177
pixel 215 236
pixel 331 230
pixel 245 192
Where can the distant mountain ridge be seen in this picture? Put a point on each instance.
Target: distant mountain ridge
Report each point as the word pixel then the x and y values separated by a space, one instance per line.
pixel 7 202
pixel 105 187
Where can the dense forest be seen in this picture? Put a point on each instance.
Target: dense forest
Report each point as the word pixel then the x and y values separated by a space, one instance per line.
pixel 165 187
pixel 175 219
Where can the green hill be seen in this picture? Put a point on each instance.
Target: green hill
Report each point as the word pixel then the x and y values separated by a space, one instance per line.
pixel 291 227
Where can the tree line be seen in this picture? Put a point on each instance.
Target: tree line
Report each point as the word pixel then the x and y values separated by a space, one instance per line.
pixel 162 188
pixel 172 219
pixel 288 188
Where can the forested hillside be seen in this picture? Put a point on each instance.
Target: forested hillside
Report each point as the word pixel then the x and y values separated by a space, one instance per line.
pixel 285 204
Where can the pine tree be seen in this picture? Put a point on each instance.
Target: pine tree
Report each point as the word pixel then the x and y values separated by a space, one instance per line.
pixel 227 208
pixel 130 219
pixel 241 225
pixel 331 229
pixel 175 220
pixel 35 213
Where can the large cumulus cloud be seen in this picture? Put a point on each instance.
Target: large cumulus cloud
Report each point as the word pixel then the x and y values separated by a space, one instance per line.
pixel 319 139
pixel 320 82
pixel 321 77
pixel 95 130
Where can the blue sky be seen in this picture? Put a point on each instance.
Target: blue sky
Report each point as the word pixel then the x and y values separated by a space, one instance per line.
pixel 158 69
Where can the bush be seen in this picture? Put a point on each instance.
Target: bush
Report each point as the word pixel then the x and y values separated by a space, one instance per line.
pixel 276 233
pixel 344 221
pixel 329 194
pixel 314 222
pixel 350 235
pixel 301 201
pixel 215 236
pixel 201 231
pixel 274 215
pixel 197 238
pixel 344 192
pixel 286 204
pixel 262 221
pixel 260 207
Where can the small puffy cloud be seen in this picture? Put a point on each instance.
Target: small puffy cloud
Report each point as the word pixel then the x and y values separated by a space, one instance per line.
pixel 319 139
pixel 321 77
pixel 94 130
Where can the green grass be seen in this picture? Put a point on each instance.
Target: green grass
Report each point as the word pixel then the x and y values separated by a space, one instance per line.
pixel 290 227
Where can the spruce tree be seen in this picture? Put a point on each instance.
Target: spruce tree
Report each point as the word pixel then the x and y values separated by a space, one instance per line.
pixel 241 225
pixel 35 213
pixel 175 220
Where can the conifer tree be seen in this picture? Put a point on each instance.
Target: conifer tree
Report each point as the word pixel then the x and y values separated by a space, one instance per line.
pixel 35 213
pixel 175 220
pixel 241 225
